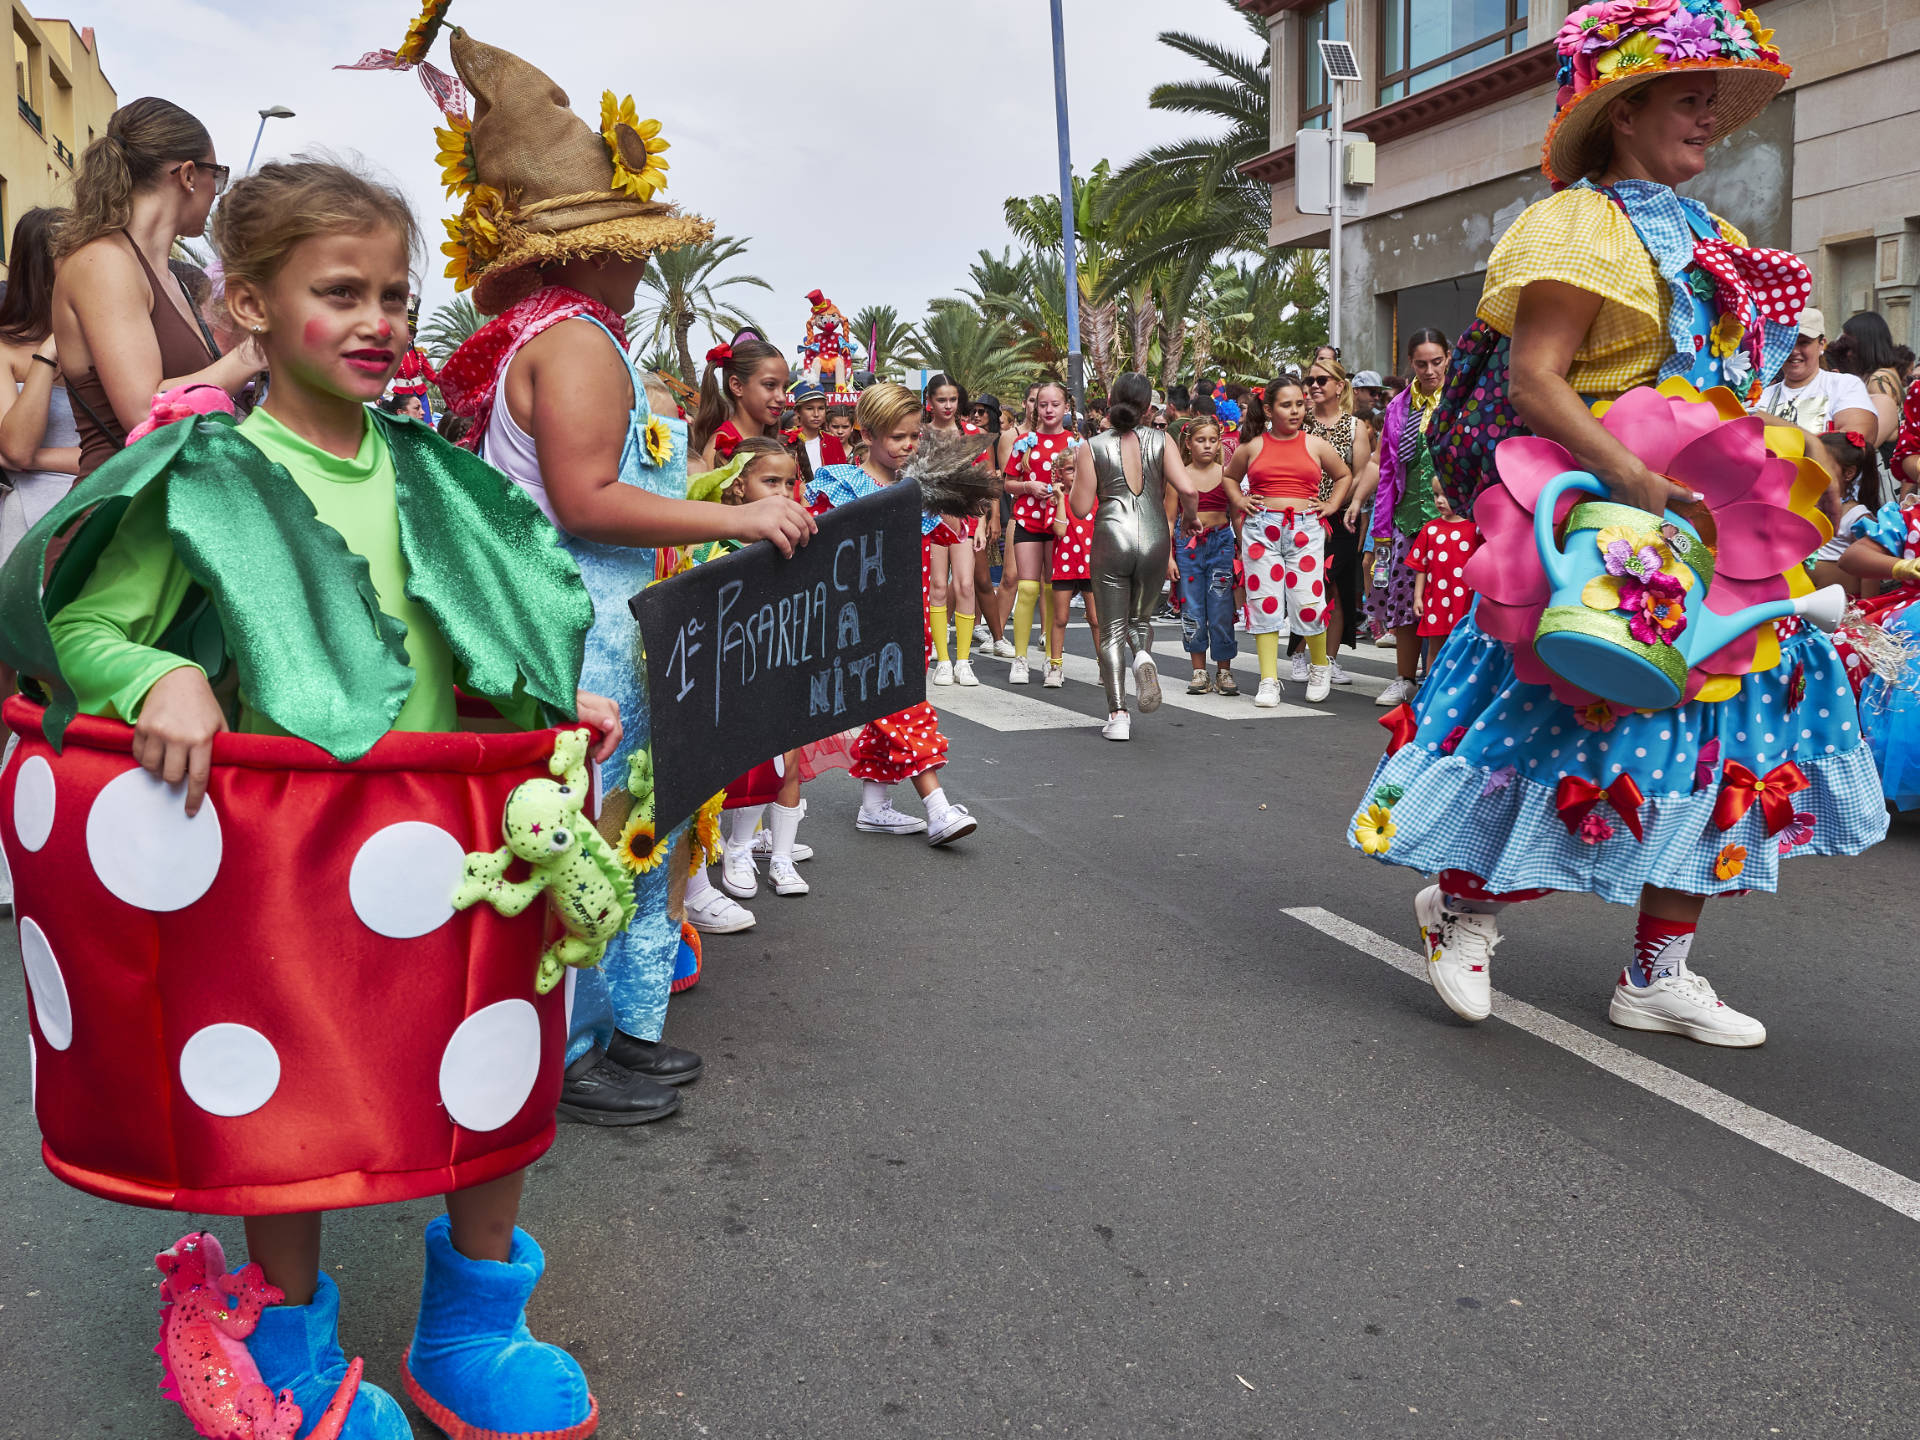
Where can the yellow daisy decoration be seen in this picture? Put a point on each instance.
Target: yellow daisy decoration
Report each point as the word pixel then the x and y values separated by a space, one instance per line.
pixel 1762 36
pixel 707 847
pixel 456 155
pixel 1634 53
pixel 422 32
pixel 659 440
pixel 1728 332
pixel 635 146
pixel 1374 830
pixel 639 851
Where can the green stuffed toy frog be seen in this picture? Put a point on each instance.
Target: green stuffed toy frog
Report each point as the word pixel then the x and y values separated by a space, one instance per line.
pixel 567 860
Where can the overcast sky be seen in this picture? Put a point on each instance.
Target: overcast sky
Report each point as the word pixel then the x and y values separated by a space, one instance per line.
pixel 865 146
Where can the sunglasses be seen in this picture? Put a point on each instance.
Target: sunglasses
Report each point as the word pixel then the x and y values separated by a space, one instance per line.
pixel 1314 382
pixel 220 173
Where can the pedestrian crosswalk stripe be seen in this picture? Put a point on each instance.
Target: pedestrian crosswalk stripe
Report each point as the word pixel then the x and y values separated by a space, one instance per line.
pixel 1173 692
pixel 1005 710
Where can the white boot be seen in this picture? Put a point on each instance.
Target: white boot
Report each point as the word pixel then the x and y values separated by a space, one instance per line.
pixel 784 823
pixel 738 876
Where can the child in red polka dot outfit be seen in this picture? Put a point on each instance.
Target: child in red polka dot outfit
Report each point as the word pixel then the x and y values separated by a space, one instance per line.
pixel 1438 558
pixel 1072 572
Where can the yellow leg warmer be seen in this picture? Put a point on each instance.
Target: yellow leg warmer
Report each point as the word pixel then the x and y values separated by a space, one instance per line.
pixel 1317 648
pixel 1268 646
pixel 1024 601
pixel 937 617
pixel 963 635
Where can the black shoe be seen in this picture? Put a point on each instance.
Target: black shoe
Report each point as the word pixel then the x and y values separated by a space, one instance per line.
pixel 598 1092
pixel 656 1061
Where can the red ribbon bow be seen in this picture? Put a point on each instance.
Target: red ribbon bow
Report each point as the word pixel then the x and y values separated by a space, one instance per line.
pixel 1740 787
pixel 720 355
pixel 1576 796
pixel 1855 439
pixel 1401 725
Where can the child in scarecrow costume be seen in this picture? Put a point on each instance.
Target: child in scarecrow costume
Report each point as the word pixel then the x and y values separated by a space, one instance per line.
pixel 240 912
pixel 558 222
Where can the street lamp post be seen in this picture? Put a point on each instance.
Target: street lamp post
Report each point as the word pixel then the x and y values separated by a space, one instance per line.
pixel 272 112
pixel 1076 364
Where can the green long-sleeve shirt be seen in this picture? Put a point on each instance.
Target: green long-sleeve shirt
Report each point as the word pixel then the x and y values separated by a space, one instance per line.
pixel 105 638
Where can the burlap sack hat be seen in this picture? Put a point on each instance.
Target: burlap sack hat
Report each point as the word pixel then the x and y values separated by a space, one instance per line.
pixel 1614 47
pixel 543 186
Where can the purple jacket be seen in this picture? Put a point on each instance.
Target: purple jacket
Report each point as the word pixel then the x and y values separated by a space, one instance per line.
pixel 1393 474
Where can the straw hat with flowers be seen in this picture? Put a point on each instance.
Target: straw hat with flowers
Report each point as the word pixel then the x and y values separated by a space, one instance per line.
pixel 1612 48
pixel 541 186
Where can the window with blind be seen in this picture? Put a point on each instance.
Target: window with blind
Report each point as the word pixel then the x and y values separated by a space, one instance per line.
pixel 1324 22
pixel 1424 43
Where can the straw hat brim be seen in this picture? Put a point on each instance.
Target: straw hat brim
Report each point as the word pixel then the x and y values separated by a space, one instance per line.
pixel 1572 148
pixel 515 273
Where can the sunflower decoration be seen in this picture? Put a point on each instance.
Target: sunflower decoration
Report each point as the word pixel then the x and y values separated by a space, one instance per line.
pixel 707 846
pixel 659 440
pixel 422 32
pixel 473 236
pixel 635 146
pixel 638 849
pixel 456 155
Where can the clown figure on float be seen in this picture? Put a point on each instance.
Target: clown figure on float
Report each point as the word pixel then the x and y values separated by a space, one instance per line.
pixel 827 348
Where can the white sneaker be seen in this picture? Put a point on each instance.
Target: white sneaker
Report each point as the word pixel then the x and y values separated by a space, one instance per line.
pixel 1398 693
pixel 888 821
pixel 1459 954
pixel 954 823
pixel 1268 695
pixel 715 913
pixel 1003 649
pixel 1319 682
pixel 982 637
pixel 1056 675
pixel 1339 676
pixel 738 877
pixel 1146 682
pixel 1017 672
pixel 1119 726
pixel 763 847
pixel 784 878
pixel 1683 1004
pixel 1300 662
pixel 1384 642
pixel 942 673
pixel 963 673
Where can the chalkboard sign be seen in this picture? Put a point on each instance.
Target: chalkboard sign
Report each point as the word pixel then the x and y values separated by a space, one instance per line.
pixel 754 654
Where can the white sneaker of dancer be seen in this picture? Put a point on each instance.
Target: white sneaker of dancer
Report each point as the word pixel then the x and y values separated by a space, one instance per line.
pixel 1003 649
pixel 955 822
pixel 1017 672
pixel 1319 682
pixel 763 847
pixel 1119 726
pixel 1459 954
pixel 1146 682
pixel 1683 1003
pixel 738 876
pixel 1339 677
pixel 716 913
pixel 1399 692
pixel 888 821
pixel 1300 662
pixel 1267 697
pixel 784 878
pixel 942 673
pixel 963 673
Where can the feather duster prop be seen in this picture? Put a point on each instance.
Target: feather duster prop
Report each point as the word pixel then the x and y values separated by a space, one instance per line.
pixel 952 481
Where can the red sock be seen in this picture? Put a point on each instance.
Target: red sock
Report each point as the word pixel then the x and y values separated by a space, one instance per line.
pixel 1659 948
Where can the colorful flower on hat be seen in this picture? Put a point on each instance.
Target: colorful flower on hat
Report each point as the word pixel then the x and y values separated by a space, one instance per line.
pixel 1685 35
pixel 638 169
pixel 473 236
pixel 1373 832
pixel 1762 37
pixel 455 159
pixel 422 32
pixel 1636 52
pixel 659 440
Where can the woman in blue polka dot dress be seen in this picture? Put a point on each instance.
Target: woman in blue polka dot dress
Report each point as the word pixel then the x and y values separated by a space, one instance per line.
pixel 1494 784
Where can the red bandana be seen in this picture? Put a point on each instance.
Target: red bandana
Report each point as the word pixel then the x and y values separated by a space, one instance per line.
pixel 470 379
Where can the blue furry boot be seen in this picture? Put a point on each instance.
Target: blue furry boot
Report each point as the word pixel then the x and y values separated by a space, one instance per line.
pixel 297 1348
pixel 474 1368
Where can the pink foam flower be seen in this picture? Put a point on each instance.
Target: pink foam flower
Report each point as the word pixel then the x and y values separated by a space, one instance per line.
pixel 1604 24
pixel 1594 828
pixel 1654 607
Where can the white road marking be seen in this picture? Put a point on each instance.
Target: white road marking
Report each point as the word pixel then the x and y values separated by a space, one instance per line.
pixel 1173 693
pixel 1784 1138
pixel 1005 710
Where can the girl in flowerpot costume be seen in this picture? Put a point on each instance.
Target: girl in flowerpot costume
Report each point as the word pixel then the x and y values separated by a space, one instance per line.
pixel 240 912
pixel 553 236
pixel 1609 309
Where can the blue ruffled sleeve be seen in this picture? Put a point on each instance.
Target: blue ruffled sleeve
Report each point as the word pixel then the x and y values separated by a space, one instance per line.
pixel 1888 529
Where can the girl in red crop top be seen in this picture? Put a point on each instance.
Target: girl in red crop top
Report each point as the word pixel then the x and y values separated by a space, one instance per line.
pixel 1283 536
pixel 1203 553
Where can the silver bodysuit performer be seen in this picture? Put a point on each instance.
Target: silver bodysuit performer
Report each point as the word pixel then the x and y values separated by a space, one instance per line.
pixel 1129 559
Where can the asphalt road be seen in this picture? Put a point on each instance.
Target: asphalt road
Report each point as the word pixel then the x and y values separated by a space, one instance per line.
pixel 1071 1130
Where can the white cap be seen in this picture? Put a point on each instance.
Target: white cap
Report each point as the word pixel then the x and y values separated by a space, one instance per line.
pixel 1813 323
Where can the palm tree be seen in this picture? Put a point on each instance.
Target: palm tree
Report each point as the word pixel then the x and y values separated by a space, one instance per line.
pixel 447 329
pixel 1035 222
pixel 680 289
pixel 976 351
pixel 880 331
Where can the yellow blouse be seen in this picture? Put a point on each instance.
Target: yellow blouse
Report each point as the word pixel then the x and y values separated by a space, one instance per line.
pixel 1581 238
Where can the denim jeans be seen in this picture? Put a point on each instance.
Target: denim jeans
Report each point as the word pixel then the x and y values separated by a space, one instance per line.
pixel 1206 592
